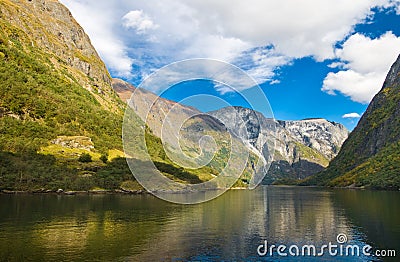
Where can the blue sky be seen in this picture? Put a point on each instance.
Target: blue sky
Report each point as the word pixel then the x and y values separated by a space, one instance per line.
pixel 312 58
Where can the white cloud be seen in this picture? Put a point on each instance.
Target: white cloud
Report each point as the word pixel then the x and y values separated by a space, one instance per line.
pixel 139 21
pixel 365 63
pixel 337 65
pixel 394 4
pixel 296 29
pixel 351 115
pixel 259 36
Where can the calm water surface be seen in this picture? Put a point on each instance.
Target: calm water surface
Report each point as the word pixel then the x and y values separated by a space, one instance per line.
pixel 229 228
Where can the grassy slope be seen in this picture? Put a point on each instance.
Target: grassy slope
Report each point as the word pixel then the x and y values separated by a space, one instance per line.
pixel 39 103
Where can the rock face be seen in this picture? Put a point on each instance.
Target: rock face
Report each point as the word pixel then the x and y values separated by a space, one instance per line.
pixel 319 134
pixel 301 148
pixel 371 155
pixel 74 142
pixel 50 26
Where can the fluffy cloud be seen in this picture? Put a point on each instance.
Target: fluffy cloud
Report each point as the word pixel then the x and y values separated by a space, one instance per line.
pixel 365 63
pixel 296 29
pixel 138 21
pixel 258 36
pixel 351 115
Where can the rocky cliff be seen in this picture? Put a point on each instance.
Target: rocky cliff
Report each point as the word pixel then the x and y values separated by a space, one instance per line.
pixel 319 134
pixel 301 148
pixel 371 155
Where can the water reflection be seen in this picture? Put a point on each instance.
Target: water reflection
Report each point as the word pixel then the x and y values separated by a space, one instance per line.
pixel 143 228
pixel 375 213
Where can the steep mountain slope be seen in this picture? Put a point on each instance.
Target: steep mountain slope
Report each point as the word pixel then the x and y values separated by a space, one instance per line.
pixel 60 119
pixel 50 27
pixel 56 103
pixel 371 155
pixel 301 148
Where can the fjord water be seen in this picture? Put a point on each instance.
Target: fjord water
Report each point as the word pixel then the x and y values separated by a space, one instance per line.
pixel 229 228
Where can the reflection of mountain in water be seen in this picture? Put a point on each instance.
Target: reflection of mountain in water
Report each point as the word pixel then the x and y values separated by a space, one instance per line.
pixel 233 225
pixel 143 228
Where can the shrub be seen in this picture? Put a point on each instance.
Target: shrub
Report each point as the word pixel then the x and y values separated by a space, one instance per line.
pixel 85 158
pixel 104 158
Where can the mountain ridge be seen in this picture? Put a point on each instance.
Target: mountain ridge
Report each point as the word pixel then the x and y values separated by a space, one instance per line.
pixel 304 157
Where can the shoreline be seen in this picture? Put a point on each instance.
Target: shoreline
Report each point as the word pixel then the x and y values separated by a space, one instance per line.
pixel 143 191
pixel 71 192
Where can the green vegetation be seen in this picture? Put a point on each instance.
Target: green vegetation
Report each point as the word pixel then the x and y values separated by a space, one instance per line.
pixel 371 156
pixel 85 158
pixel 42 101
pixel 378 172
pixel 104 158
pixel 168 167
pixel 312 155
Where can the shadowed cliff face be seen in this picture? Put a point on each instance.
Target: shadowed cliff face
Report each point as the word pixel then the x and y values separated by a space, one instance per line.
pixel 371 155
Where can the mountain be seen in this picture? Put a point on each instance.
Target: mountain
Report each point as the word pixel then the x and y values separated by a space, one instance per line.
pixel 50 27
pixel 51 76
pixel 59 115
pixel 320 134
pixel 60 119
pixel 371 155
pixel 301 148
pixel 184 131
pixel 151 108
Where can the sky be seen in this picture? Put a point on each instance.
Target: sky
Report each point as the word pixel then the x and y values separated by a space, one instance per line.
pixel 311 58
